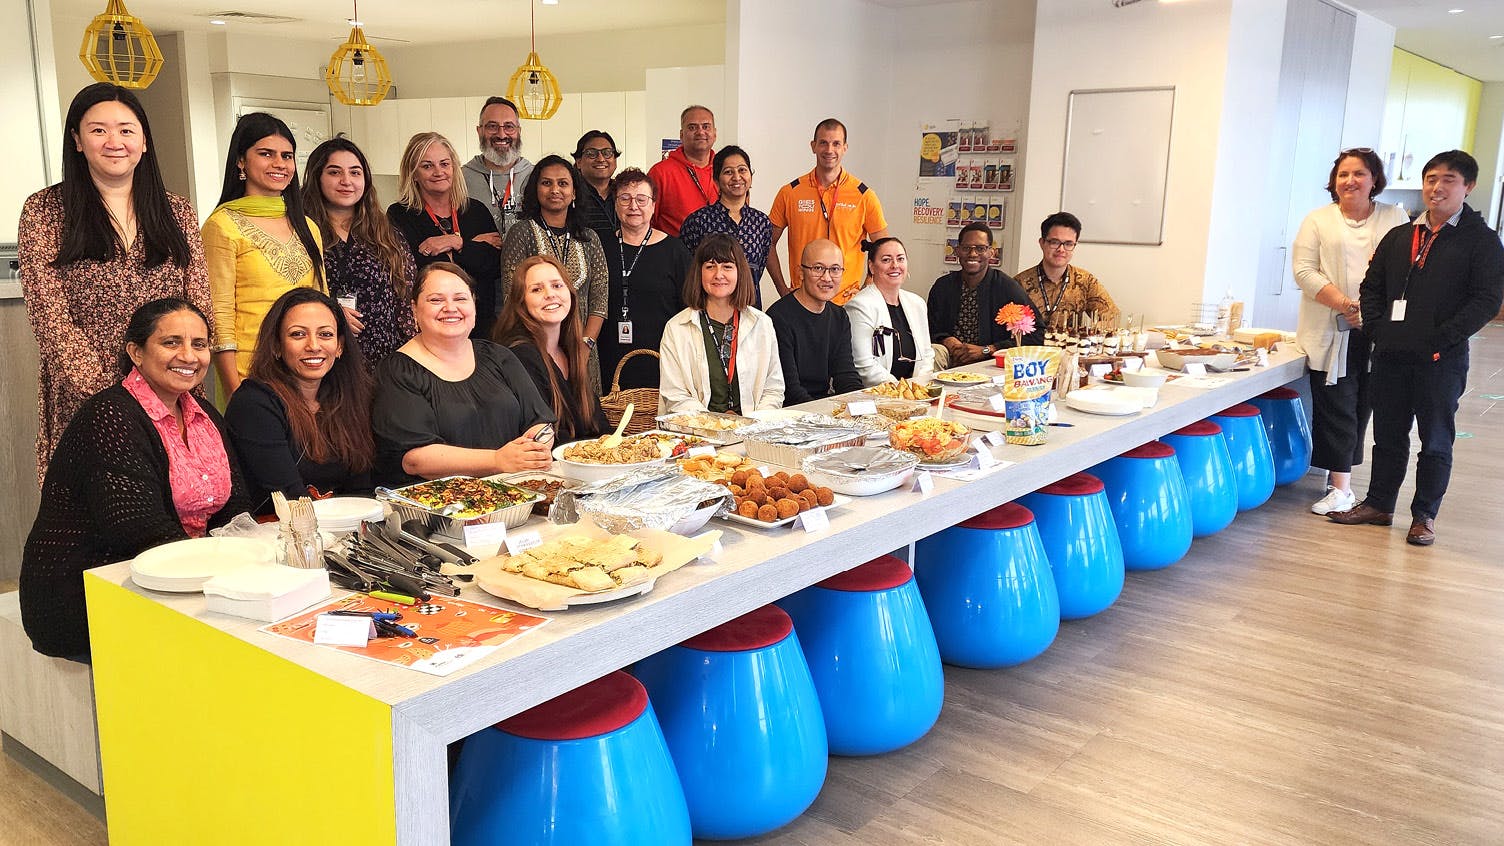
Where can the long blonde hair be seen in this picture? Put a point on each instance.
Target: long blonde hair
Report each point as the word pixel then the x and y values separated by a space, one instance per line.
pixel 417 147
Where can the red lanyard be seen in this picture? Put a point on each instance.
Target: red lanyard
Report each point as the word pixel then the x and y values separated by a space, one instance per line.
pixel 454 220
pixel 1420 245
pixel 736 325
pixel 835 188
pixel 695 178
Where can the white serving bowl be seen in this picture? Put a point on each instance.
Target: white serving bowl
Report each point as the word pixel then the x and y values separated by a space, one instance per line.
pixel 1176 359
pixel 1144 379
pixel 586 472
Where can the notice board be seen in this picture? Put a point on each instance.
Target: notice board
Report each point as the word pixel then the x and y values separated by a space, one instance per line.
pixel 1117 163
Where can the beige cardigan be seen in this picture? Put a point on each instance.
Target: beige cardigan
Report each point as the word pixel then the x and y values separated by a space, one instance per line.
pixel 684 372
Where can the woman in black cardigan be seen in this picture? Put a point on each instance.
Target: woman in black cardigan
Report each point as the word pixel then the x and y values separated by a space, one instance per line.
pixel 143 463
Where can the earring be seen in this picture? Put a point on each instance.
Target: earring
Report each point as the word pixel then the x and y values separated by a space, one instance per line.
pixel 242 172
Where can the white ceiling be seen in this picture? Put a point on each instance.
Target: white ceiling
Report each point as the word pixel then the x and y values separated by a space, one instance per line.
pixel 1424 27
pixel 415 21
pixel 1460 41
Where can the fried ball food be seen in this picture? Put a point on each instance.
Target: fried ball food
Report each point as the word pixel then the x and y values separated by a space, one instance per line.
pixel 740 477
pixel 753 475
pixel 826 496
pixel 778 492
pixel 737 490
pixel 798 482
pixel 782 477
pixel 788 508
pixel 767 513
pixel 747 508
pixel 809 497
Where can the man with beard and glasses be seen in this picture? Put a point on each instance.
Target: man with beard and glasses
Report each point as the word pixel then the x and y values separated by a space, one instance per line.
pixel 499 172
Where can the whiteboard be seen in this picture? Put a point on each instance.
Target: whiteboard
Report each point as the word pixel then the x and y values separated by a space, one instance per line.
pixel 1117 163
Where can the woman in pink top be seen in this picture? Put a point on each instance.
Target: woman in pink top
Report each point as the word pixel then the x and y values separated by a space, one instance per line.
pixel 143 463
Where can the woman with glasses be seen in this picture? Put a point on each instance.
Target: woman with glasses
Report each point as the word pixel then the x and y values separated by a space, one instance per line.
pixel 1066 296
pixel 1330 256
pixel 719 354
pixel 731 214
pixel 890 327
pixel 595 157
pixel 647 267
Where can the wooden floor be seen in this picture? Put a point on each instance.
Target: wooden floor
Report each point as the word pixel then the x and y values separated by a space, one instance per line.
pixel 1290 681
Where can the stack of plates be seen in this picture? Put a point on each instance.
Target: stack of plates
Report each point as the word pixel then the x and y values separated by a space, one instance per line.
pixel 183 566
pixel 345 513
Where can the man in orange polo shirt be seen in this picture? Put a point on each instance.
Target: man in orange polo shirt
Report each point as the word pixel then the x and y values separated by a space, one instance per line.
pixel 684 179
pixel 827 203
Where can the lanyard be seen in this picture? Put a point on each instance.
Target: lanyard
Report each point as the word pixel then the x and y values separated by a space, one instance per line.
pixel 505 200
pixel 562 254
pixel 626 269
pixel 694 177
pixel 454 223
pixel 727 350
pixel 1420 245
pixel 1049 310
pixel 820 195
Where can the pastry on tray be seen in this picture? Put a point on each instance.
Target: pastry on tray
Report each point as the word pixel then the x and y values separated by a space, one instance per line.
pixel 588 564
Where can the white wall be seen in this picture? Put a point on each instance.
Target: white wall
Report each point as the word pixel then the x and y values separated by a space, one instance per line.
pixel 1489 151
pixel 27 148
pixel 1148 44
pixel 589 61
pixel 1368 81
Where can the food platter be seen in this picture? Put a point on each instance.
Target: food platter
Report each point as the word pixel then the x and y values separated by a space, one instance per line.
pixel 953 464
pixel 962 378
pixel 838 501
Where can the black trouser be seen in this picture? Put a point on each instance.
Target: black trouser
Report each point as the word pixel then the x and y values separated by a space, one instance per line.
pixel 1339 413
pixel 1405 389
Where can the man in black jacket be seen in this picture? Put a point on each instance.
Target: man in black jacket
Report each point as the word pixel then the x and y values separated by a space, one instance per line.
pixel 1429 287
pixel 963 303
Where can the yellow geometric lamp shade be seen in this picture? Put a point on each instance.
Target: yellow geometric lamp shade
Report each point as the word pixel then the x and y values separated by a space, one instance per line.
pixel 357 74
pixel 119 48
pixel 534 89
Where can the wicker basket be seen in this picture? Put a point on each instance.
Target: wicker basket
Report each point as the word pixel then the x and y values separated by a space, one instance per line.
pixel 614 404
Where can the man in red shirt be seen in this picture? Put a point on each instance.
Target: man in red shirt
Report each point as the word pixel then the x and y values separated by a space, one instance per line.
pixel 684 179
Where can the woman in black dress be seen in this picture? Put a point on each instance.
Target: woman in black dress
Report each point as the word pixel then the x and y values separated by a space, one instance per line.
pixel 301 421
pixel 435 215
pixel 540 323
pixel 448 403
pixel 648 269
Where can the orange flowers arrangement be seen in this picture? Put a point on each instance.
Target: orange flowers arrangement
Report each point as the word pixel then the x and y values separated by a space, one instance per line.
pixel 1018 319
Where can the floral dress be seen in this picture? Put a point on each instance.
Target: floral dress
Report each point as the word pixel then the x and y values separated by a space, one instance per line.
pixel 354 269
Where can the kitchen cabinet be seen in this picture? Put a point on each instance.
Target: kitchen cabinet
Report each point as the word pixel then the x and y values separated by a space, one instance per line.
pixel 1429 109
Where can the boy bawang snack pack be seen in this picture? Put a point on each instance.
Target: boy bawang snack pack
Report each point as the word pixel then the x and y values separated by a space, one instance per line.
pixel 1030 373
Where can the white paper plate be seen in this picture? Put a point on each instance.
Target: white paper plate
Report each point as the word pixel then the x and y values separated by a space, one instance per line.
pixel 1107 402
pixel 345 513
pixel 962 378
pixel 836 501
pixel 183 566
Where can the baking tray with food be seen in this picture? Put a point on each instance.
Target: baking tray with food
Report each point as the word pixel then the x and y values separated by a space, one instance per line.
pixel 659 497
pixel 546 484
pixel 706 424
pixel 905 389
pixel 447 505
pixel 776 499
pixel 787 442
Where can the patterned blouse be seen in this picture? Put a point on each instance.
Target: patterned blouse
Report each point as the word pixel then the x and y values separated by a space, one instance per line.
pixel 355 270
pixel 248 271
pixel 79 312
pixel 968 323
pixel 1068 303
pixel 754 233
pixel 198 469
pixel 581 256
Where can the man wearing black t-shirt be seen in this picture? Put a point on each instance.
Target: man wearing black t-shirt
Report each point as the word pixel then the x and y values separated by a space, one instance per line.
pixel 814 337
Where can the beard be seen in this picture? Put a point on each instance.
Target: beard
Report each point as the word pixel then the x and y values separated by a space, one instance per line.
pixel 492 155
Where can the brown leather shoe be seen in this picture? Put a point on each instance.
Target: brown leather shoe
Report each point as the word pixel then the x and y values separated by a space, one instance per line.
pixel 1364 514
pixel 1422 532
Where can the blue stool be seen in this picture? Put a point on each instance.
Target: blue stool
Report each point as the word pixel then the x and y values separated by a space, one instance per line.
pixel 988 589
pixel 1081 542
pixel 1207 468
pixel 1248 447
pixel 1150 505
pixel 1289 432
pixel 743 724
pixel 589 766
pixel 873 656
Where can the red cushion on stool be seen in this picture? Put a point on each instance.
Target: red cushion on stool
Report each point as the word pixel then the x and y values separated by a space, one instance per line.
pixel 1280 394
pixel 1078 484
pixel 1152 449
pixel 1009 515
pixel 593 708
pixel 1242 409
pixel 1201 429
pixel 883 573
pixel 752 630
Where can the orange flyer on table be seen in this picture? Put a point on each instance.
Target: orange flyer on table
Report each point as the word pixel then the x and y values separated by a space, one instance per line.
pixel 450 633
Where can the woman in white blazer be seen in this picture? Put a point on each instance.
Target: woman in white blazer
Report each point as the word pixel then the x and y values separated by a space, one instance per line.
pixel 720 353
pixel 889 326
pixel 1329 257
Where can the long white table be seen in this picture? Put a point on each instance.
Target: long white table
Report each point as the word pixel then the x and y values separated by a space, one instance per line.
pixel 201 711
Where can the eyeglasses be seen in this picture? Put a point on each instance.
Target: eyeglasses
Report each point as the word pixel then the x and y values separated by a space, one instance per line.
pixel 1054 244
pixel 493 126
pixel 598 153
pixel 819 270
pixel 630 200
pixel 975 248
pixel 1359 150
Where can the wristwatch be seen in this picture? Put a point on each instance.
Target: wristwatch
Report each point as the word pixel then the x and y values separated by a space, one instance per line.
pixel 988 350
pixel 590 342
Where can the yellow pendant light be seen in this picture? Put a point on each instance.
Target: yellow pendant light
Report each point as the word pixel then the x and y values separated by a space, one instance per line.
pixel 357 74
pixel 533 87
pixel 119 48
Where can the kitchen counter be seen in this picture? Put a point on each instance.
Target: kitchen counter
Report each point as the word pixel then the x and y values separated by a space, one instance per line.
pixel 264 739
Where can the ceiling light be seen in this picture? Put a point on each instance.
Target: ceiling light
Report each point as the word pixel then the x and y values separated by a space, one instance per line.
pixel 357 74
pixel 353 22
pixel 119 48
pixel 216 22
pixel 533 87
pixel 549 2
pixel 1455 11
pixel 1496 36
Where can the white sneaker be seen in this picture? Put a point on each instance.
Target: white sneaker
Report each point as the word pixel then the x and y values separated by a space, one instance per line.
pixel 1336 499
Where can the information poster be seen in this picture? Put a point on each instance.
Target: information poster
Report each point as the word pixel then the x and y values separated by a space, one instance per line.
pixel 937 153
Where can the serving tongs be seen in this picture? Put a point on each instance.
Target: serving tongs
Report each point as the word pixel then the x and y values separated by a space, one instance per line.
pixel 383 557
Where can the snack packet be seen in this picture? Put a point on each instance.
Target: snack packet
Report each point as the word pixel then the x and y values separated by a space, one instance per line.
pixel 1030 373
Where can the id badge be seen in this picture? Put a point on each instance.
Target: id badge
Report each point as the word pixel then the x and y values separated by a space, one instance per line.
pixel 1397 312
pixel 624 331
pixel 348 302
